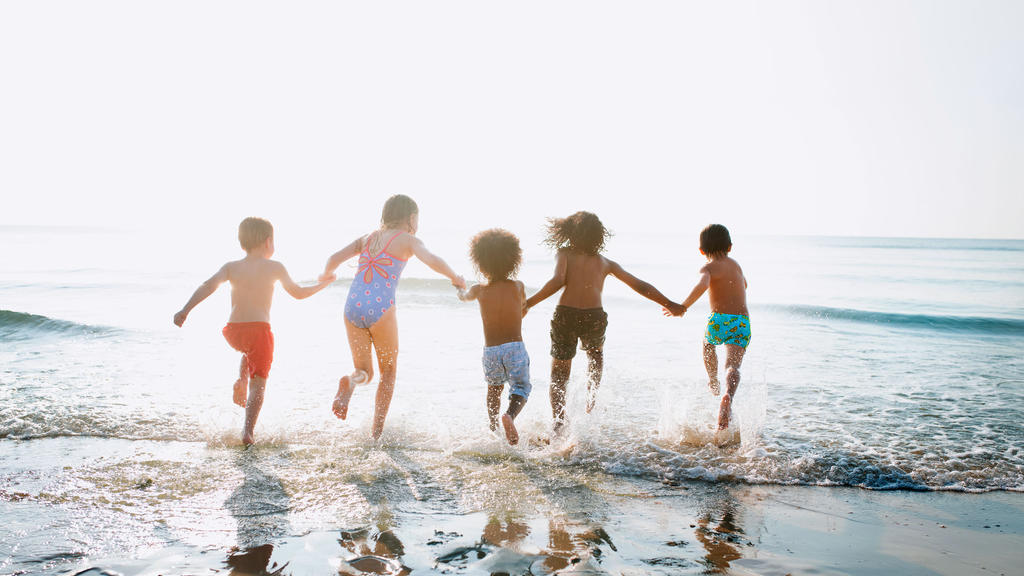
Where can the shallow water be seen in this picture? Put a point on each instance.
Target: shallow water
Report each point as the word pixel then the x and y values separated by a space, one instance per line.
pixel 874 363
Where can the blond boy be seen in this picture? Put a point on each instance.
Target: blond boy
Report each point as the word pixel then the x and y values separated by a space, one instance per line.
pixel 248 330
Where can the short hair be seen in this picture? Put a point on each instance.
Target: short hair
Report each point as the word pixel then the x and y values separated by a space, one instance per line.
pixel 253 232
pixel 715 239
pixel 582 231
pixel 397 209
pixel 496 254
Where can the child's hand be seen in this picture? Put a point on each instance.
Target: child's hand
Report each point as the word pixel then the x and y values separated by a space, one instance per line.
pixel 179 318
pixel 327 278
pixel 674 310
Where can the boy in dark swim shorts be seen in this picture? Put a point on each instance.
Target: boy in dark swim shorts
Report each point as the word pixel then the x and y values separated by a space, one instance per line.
pixel 248 330
pixel 579 318
pixel 729 322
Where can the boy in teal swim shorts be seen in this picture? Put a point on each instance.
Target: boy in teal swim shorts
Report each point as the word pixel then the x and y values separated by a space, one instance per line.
pixel 729 323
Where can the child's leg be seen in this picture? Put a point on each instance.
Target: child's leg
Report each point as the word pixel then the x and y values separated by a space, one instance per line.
pixel 711 365
pixel 493 404
pixel 360 343
pixel 385 341
pixel 560 370
pixel 733 359
pixel 242 384
pixel 595 367
pixel 253 405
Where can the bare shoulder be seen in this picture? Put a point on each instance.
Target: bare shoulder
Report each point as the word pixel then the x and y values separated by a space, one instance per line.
pixel 404 244
pixel 609 266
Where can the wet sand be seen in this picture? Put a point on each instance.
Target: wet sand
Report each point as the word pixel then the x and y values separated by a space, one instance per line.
pixel 510 517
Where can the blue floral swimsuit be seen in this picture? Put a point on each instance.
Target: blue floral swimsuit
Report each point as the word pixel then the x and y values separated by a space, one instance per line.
pixel 372 291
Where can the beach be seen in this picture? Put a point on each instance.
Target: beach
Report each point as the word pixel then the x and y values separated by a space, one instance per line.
pixel 876 428
pixel 250 515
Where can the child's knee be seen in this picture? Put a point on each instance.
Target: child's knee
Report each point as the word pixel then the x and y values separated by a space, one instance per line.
pixel 732 373
pixel 360 376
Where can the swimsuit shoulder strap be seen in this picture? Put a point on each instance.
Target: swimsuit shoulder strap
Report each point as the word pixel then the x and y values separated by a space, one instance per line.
pixel 392 239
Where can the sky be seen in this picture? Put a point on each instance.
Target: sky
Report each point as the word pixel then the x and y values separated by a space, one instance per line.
pixel 837 118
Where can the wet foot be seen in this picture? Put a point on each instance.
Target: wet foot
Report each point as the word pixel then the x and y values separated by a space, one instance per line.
pixel 510 429
pixel 340 406
pixel 716 388
pixel 248 439
pixel 240 392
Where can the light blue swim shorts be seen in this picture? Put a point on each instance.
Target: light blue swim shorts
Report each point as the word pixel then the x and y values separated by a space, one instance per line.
pixel 510 363
pixel 728 329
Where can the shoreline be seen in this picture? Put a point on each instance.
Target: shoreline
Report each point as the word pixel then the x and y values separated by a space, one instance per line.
pixel 516 517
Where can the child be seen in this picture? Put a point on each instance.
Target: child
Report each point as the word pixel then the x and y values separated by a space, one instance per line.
pixel 497 256
pixel 370 314
pixel 581 270
pixel 248 330
pixel 729 323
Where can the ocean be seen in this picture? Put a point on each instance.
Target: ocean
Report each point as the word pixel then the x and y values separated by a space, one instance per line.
pixel 875 364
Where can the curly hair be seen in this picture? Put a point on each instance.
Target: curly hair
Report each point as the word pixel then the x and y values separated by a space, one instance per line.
pixel 714 239
pixel 582 232
pixel 496 254
pixel 397 209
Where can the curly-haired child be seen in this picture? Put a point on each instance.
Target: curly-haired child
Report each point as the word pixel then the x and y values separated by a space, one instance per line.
pixel 497 255
pixel 579 317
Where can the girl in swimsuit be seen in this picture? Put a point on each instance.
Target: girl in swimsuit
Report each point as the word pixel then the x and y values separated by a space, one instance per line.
pixel 370 312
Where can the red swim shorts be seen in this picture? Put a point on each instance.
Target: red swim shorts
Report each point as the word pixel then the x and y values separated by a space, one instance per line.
pixel 256 341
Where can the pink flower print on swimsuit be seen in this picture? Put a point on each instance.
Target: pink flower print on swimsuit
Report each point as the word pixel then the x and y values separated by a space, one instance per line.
pixel 372 291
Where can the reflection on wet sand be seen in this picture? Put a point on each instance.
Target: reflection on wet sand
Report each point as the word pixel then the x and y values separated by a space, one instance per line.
pixel 719 540
pixel 260 506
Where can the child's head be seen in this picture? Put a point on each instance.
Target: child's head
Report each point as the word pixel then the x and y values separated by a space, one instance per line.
pixel 254 232
pixel 496 254
pixel 399 211
pixel 715 241
pixel 581 232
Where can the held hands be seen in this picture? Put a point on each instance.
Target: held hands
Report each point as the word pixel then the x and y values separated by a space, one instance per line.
pixel 326 278
pixel 674 310
pixel 179 318
pixel 459 282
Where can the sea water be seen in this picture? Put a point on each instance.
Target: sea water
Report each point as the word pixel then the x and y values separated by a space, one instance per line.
pixel 875 363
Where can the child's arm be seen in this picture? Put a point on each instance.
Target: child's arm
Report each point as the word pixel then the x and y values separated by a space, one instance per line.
pixel 436 263
pixel 553 285
pixel 201 293
pixel 301 292
pixel 469 295
pixel 702 286
pixel 640 287
pixel 342 255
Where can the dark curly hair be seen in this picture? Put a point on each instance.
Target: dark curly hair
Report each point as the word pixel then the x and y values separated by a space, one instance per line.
pixel 397 209
pixel 581 232
pixel 496 254
pixel 715 240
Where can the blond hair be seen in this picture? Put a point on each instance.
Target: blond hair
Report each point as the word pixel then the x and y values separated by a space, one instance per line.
pixel 253 232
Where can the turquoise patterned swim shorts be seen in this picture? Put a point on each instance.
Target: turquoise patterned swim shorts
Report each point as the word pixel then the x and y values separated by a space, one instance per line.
pixel 728 329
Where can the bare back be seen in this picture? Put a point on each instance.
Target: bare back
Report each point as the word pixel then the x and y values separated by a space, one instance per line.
pixel 501 308
pixel 584 279
pixel 252 288
pixel 727 292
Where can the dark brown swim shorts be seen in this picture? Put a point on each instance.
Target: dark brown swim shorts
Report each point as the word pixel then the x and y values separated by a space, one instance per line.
pixel 570 325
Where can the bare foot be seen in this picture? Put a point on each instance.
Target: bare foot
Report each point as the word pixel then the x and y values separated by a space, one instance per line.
pixel 510 429
pixel 716 388
pixel 340 406
pixel 247 439
pixel 241 391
